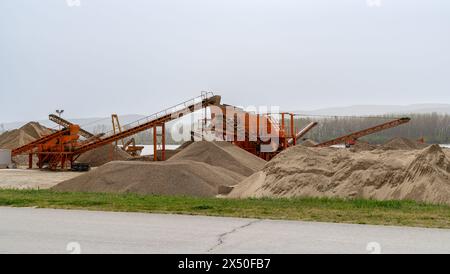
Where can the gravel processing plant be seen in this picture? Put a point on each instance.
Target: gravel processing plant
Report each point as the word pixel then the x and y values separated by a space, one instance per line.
pixel 228 166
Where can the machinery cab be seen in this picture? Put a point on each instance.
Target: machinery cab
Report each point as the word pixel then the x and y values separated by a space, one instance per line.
pixel 350 142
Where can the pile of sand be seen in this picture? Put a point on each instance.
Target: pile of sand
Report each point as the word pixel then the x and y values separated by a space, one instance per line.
pixel 222 154
pixel 309 143
pixel 184 145
pixel 103 155
pixel 24 135
pixel 421 175
pixel 169 153
pixel 198 170
pixel 362 146
pixel 402 143
pixel 160 178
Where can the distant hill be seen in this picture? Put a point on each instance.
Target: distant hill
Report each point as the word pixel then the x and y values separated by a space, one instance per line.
pixel 360 110
pixel 89 124
pixel 93 124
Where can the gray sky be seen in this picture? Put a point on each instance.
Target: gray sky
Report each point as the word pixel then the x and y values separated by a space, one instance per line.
pixel 138 56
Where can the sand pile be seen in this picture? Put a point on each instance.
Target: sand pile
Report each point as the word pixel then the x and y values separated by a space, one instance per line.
pixel 103 155
pixel 169 153
pixel 198 170
pixel 402 143
pixel 362 146
pixel 184 145
pixel 221 154
pixel 161 178
pixel 308 143
pixel 421 175
pixel 24 135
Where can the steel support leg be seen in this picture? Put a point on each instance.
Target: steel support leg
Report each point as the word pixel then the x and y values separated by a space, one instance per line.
pixel 30 161
pixel 163 142
pixel 155 144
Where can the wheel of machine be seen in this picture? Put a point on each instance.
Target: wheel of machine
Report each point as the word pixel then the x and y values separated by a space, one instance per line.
pixel 81 167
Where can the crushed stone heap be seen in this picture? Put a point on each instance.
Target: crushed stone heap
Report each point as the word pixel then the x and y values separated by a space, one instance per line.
pixel 421 175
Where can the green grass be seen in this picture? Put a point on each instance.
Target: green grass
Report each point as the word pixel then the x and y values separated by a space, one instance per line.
pixel 405 213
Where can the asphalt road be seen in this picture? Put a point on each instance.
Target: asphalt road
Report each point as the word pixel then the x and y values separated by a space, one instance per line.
pixel 28 230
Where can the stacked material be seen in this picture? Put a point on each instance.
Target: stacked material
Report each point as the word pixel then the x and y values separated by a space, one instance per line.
pixel 402 143
pixel 308 143
pixel 161 178
pixel 169 153
pixel 103 155
pixel 24 135
pixel 198 170
pixel 362 146
pixel 222 154
pixel 421 175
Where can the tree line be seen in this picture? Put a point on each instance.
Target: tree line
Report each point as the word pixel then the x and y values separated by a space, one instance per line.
pixel 433 127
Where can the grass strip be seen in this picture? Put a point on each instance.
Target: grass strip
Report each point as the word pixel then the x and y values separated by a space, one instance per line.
pixel 356 211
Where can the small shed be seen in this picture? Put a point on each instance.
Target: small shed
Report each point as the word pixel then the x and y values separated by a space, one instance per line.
pixel 5 158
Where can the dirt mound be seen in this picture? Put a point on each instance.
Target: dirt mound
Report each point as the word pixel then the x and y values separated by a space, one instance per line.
pixel 184 145
pixel 24 135
pixel 221 154
pixel 427 178
pixel 103 155
pixel 402 143
pixel 421 175
pixel 362 146
pixel 36 130
pixel 446 152
pixel 198 170
pixel 169 153
pixel 14 139
pixel 309 143
pixel 161 178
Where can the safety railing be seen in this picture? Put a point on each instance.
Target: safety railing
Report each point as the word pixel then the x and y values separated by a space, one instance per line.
pixel 166 112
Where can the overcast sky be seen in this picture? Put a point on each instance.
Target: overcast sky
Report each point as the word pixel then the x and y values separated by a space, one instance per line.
pixel 138 56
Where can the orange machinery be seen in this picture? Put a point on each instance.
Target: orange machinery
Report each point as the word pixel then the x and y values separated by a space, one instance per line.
pixel 264 136
pixel 260 134
pixel 63 147
pixel 350 139
pixel 66 124
pixel 129 146
pixel 52 150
